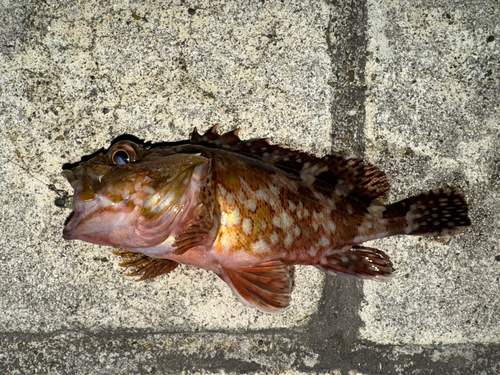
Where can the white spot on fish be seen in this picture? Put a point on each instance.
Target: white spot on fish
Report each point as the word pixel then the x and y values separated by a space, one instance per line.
pixel 222 190
pixel 273 203
pixel 306 213
pixel 331 226
pixel 223 218
pixel 262 194
pixel 324 241
pixel 319 195
pixel 251 205
pixel 274 238
pixel 274 190
pixel 313 251
pixel 241 196
pixel 245 184
pixel 149 190
pixel 277 221
pixel 296 231
pixel 137 186
pixel 315 225
pixel 288 240
pixel 233 218
pixel 286 220
pixel 260 247
pixel 291 205
pixel 263 224
pixel 247 226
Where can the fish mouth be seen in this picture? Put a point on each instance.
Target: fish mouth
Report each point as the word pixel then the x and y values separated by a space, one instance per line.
pixel 81 209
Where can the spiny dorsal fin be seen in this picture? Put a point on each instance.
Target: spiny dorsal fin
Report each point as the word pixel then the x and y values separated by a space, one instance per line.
pixel 146 267
pixel 348 175
pixel 266 286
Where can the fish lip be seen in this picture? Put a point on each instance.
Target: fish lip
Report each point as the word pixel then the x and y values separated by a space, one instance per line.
pixel 81 209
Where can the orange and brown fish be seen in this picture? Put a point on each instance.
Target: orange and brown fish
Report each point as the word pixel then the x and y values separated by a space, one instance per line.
pixel 248 211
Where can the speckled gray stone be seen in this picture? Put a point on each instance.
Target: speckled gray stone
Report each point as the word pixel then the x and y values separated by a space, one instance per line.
pixel 413 87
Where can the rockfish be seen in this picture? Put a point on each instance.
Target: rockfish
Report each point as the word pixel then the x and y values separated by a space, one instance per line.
pixel 248 211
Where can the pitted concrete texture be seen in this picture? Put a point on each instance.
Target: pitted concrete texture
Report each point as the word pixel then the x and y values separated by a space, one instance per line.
pixel 412 86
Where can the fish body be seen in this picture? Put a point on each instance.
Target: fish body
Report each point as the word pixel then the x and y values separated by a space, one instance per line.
pixel 248 211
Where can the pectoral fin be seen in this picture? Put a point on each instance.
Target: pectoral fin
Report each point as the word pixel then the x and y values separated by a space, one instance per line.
pixel 266 286
pixel 203 227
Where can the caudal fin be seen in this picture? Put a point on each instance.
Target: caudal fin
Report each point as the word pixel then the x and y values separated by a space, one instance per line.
pixel 439 212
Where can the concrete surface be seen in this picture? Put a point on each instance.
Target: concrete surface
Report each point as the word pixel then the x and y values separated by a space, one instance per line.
pixel 410 85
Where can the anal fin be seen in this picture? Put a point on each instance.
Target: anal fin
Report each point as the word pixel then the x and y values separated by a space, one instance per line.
pixel 360 261
pixel 265 286
pixel 146 267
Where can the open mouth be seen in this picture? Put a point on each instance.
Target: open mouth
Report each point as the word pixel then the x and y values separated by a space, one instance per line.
pixel 72 203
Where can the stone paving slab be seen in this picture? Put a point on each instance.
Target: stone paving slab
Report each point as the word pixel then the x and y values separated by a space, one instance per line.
pixel 413 87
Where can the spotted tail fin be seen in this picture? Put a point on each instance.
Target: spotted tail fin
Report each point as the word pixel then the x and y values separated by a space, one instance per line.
pixel 436 213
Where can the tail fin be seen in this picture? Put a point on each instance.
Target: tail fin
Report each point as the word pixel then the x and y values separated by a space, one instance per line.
pixel 436 213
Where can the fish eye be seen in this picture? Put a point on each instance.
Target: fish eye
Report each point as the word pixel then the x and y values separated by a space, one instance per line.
pixel 124 152
pixel 121 157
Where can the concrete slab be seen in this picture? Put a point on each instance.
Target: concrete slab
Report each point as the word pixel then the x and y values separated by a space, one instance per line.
pixel 412 86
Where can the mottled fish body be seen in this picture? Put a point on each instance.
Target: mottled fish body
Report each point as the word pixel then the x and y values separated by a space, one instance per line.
pixel 248 211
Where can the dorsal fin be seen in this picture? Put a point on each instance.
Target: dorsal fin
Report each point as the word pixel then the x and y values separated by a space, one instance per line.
pixel 348 175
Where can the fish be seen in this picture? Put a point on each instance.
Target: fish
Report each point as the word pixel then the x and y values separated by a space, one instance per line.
pixel 248 210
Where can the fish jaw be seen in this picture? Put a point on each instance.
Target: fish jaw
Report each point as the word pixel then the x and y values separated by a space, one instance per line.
pixel 96 218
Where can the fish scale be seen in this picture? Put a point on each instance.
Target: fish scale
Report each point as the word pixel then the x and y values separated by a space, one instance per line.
pixel 276 228
pixel 248 211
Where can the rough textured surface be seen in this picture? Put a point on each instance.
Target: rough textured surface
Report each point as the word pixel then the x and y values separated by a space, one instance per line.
pixel 412 86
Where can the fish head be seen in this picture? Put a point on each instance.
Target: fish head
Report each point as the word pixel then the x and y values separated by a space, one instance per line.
pixel 132 197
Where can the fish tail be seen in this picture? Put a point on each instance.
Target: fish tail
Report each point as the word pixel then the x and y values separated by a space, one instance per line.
pixel 438 212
